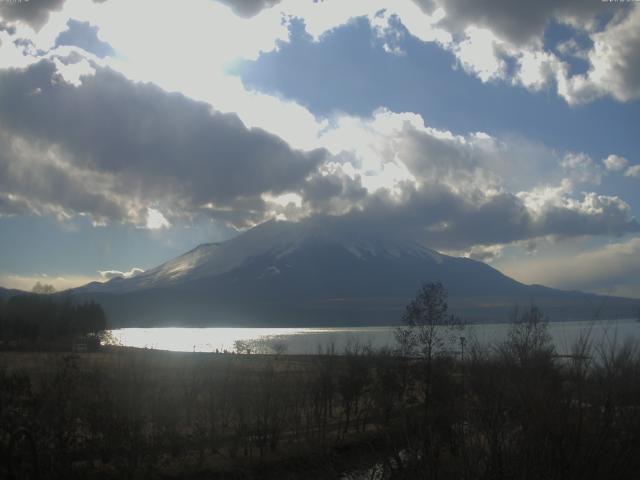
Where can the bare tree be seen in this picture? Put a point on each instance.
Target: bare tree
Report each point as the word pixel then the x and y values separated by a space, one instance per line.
pixel 529 339
pixel 242 346
pixel 43 288
pixel 429 327
pixel 279 347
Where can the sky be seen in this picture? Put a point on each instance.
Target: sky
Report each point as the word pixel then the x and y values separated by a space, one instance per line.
pixel 507 132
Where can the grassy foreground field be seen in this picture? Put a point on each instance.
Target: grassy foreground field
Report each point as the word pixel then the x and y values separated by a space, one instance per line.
pixel 144 414
pixel 516 411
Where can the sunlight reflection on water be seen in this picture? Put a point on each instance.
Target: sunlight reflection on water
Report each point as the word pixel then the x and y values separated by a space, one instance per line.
pixel 309 340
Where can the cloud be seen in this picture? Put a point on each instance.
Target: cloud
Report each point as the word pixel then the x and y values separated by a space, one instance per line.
pixel 153 155
pixel 11 204
pixel 35 177
pixel 144 145
pixel 192 56
pixel 581 169
pixel 331 191
pixel 458 192
pixel 156 220
pixel 614 63
pixel 480 225
pixel 615 58
pixel 633 171
pixel 390 148
pixel 249 8
pixel 615 163
pixel 111 274
pixel 484 253
pixel 518 24
pixel 447 219
pixel 72 72
pixel 491 32
pixel 479 53
pixel 34 12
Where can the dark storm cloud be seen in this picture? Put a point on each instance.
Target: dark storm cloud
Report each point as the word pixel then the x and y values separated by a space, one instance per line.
pixel 332 193
pixel 32 178
pixel 241 212
pixel 34 12
pixel 150 145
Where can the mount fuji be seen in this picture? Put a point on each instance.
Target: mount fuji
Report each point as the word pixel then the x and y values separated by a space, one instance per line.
pixel 321 272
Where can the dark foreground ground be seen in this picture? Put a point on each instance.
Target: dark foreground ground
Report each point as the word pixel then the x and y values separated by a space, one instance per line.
pixel 127 413
pixel 515 412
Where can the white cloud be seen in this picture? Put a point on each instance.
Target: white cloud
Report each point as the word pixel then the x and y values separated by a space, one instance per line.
pixel 487 253
pixel 536 68
pixel 615 163
pixel 110 274
pixel 156 220
pixel 478 54
pixel 581 169
pixel 633 171
pixel 615 59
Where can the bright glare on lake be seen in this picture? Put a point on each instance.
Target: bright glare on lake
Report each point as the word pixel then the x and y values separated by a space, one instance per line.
pixel 310 340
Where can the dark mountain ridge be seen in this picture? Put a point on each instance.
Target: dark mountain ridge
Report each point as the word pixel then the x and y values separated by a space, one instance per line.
pixel 319 273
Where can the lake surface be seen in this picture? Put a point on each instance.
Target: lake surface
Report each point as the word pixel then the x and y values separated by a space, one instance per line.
pixel 310 340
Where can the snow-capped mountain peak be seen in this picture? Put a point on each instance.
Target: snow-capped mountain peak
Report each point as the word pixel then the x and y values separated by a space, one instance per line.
pixel 276 239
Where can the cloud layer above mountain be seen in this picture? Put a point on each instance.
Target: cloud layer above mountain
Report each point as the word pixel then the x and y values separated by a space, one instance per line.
pixel 114 149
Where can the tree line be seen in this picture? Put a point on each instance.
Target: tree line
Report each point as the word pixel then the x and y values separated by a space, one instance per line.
pixel 33 317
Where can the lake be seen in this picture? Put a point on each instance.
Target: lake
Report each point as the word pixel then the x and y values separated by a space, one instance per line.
pixel 310 340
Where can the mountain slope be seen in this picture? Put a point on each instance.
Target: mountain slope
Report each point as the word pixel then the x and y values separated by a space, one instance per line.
pixel 316 273
pixel 6 293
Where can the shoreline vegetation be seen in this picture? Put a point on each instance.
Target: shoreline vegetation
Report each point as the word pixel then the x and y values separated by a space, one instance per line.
pixel 513 410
